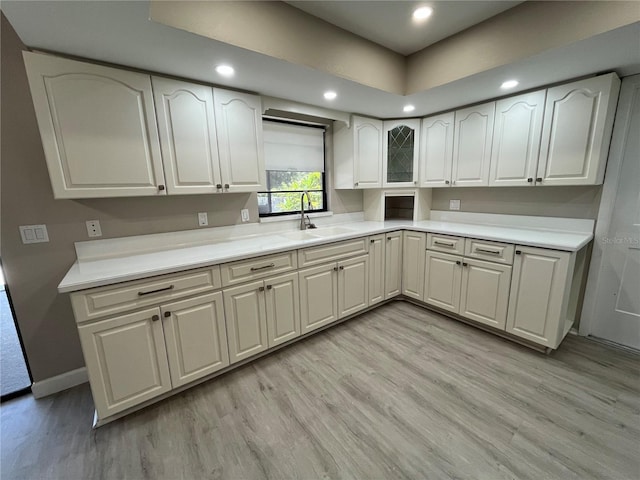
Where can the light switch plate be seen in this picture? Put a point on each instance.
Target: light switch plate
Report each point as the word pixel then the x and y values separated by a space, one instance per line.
pixel 244 214
pixel 34 233
pixel 454 204
pixel 93 228
pixel 203 219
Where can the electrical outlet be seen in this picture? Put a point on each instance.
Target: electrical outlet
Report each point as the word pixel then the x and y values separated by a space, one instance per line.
pixel 93 228
pixel 454 204
pixel 244 214
pixel 203 220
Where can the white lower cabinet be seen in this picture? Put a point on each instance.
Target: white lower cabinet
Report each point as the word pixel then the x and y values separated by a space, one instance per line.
pixel 283 308
pixel 443 273
pixel 539 295
pixel 413 255
pixel 126 360
pixel 376 269
pixel 353 285
pixel 393 264
pixel 484 295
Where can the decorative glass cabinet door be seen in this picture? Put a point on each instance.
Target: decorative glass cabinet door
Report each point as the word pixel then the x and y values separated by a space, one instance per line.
pixel 401 142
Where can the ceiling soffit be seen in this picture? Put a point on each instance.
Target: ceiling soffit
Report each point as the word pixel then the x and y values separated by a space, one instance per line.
pixel 279 30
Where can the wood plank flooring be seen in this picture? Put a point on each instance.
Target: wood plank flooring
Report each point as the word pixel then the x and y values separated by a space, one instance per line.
pixel 399 392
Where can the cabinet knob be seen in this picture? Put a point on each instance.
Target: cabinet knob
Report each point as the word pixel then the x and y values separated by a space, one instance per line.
pixel 226 185
pixel 219 186
pixel 355 184
pixel 458 262
pixel 529 179
pixel 167 314
pixel 518 252
pixel 269 287
pixel 539 179
pixel 155 318
pixel 388 238
pixel 261 289
pixel 341 267
pixel 161 187
pixel 415 182
pixel 447 182
pixel 335 269
pixel 372 241
pixel 465 264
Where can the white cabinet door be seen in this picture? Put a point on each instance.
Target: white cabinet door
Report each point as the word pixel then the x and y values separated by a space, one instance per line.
pixel 537 294
pixel 442 277
pixel 98 128
pixel 413 255
pixel 126 360
pixel 283 308
pixel 367 152
pixel 353 285
pixel 436 150
pixel 472 145
pixel 246 317
pixel 240 145
pixel 376 269
pixel 318 296
pixel 393 264
pixel 485 292
pixel 187 128
pixel 400 147
pixel 196 337
pixel 578 122
pixel 516 139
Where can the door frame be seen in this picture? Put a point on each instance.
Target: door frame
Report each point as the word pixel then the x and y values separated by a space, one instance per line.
pixel 608 200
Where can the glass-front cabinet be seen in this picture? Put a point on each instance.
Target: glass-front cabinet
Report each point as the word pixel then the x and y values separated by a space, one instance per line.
pixel 400 147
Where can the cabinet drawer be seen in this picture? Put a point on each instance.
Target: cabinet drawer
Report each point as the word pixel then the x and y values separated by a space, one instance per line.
pixel 246 270
pixel 332 252
pixel 445 243
pixel 102 301
pixel 486 250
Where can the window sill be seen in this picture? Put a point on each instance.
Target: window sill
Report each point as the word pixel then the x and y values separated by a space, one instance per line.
pixel 294 216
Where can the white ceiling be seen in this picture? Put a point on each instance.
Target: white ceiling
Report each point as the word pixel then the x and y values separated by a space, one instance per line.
pixel 121 33
pixel 390 23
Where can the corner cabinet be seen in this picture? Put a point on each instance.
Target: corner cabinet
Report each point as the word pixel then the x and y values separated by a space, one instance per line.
pixel 98 128
pixel 578 122
pixel 358 154
pixel 240 144
pixel 472 145
pixel 436 150
pixel 400 146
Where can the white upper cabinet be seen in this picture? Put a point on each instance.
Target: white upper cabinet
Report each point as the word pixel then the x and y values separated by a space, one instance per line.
pixel 240 145
pixel 400 146
pixel 358 153
pixel 436 150
pixel 472 145
pixel 187 129
pixel 578 121
pixel 516 140
pixel 98 128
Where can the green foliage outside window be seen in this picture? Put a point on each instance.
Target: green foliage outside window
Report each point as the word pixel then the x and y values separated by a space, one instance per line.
pixel 291 185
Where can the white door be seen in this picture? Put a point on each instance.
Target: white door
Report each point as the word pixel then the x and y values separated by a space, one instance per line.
pixel 353 285
pixel 578 121
pixel 98 128
pixel 414 246
pixel 318 296
pixel 240 145
pixel 443 273
pixel 246 317
pixel 393 264
pixel 283 308
pixel 126 360
pixel 367 152
pixel 484 296
pixel 186 124
pixel 537 292
pixel 516 139
pixel 401 148
pixel 436 150
pixel 196 337
pixel 615 275
pixel 472 145
pixel 376 269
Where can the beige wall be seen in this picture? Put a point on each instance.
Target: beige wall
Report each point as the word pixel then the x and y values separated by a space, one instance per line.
pixel 571 202
pixel 33 271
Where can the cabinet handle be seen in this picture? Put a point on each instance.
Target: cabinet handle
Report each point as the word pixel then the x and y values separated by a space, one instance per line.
pixel 444 244
pixel 341 267
pixel 415 182
pixel 218 186
pixel 269 287
pixel 167 314
pixel 355 184
pixel 539 179
pixel 335 269
pixel 484 250
pixel 226 185
pixel 255 269
pixel 458 262
pixel 529 179
pixel 518 252
pixel 465 264
pixel 447 182
pixel 261 289
pixel 372 241
pixel 160 187
pixel 155 318
pixel 170 287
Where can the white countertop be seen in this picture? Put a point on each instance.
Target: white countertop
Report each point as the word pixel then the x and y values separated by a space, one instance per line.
pixel 118 261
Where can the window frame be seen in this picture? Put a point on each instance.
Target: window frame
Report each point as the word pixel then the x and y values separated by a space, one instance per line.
pixel 269 192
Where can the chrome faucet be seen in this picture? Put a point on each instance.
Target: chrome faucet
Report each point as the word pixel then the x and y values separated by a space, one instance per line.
pixel 305 222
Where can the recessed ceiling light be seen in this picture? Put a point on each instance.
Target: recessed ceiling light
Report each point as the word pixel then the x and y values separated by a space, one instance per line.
pixel 225 70
pixel 408 108
pixel 509 84
pixel 330 95
pixel 422 13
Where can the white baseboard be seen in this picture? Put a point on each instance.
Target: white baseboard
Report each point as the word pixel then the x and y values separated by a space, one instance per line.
pixel 59 382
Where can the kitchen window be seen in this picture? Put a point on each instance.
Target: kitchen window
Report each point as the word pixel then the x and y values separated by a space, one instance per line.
pixel 294 161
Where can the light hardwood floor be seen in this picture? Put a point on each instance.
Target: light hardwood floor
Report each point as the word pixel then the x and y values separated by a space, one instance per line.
pixel 398 392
